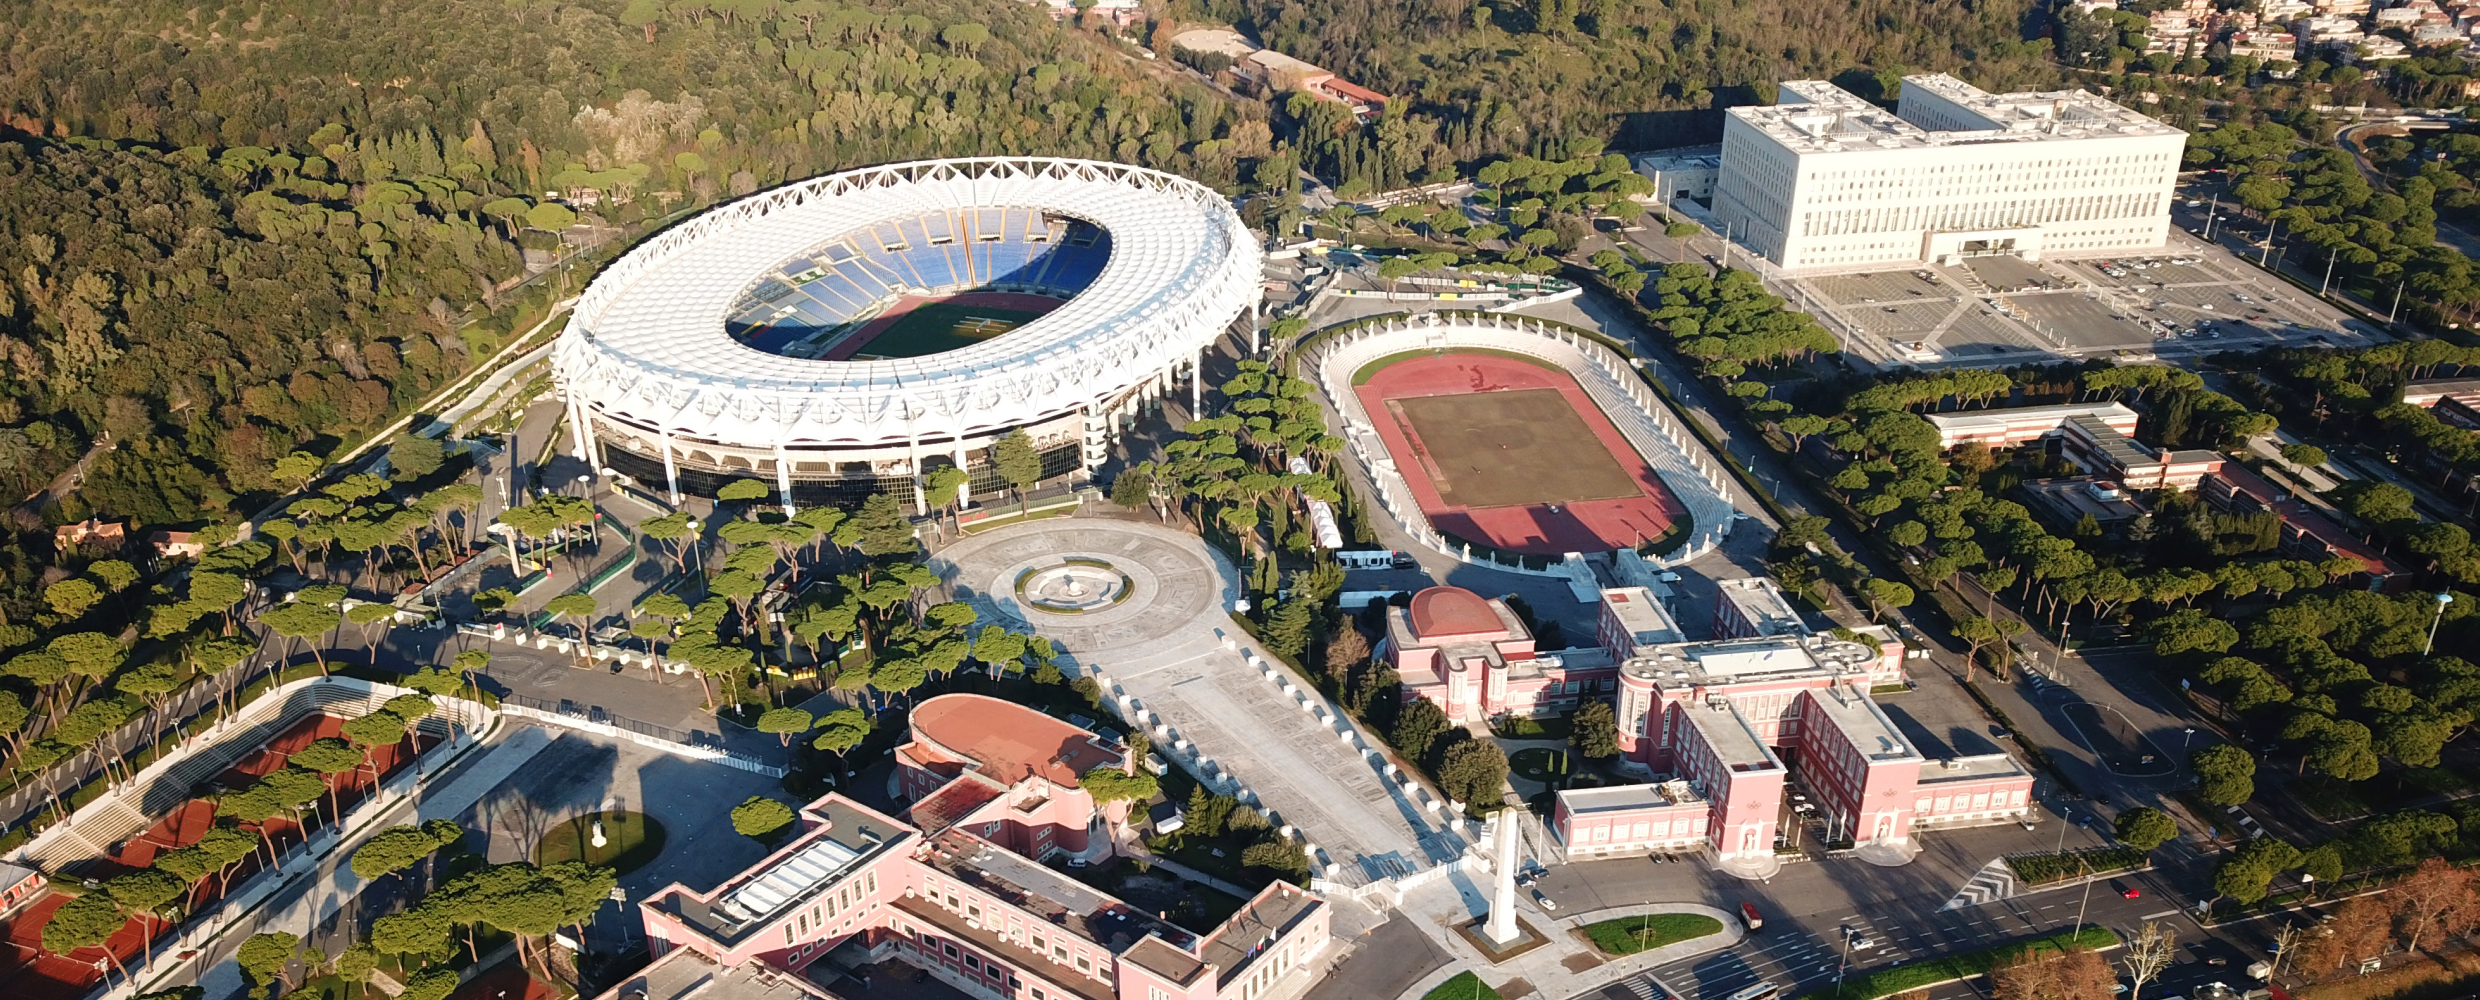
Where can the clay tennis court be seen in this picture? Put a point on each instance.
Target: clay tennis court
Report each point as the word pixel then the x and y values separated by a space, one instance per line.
pixel 1511 453
pixel 915 326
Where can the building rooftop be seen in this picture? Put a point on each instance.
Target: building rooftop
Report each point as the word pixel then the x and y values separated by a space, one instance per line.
pixel 1067 903
pixel 1761 602
pixel 1858 718
pixel 1061 980
pixel 1988 765
pixel 1011 742
pixel 1638 611
pixel 1976 423
pixel 2119 450
pixel 848 841
pixel 1736 745
pixel 685 972
pixel 1235 944
pixel 1451 612
pixel 1815 116
pixel 1767 658
pixel 1626 797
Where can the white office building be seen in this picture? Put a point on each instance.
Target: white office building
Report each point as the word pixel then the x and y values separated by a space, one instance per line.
pixel 1827 181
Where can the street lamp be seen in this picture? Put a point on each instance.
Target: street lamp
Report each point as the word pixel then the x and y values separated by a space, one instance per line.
pixel 2443 598
pixel 2190 738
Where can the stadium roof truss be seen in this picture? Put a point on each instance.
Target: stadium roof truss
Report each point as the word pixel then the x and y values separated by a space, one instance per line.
pixel 646 344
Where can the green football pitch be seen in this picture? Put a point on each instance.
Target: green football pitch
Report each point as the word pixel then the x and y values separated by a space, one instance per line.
pixel 939 327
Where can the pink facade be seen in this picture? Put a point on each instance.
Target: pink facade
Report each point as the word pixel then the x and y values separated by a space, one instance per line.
pixel 1474 658
pixel 2011 427
pixel 960 892
pixel 1008 773
pixel 1713 714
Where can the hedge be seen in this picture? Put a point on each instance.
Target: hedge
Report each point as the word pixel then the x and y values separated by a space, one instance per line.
pixel 2041 869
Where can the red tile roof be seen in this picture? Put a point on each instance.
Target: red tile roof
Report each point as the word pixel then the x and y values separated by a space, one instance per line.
pixel 1009 741
pixel 1452 611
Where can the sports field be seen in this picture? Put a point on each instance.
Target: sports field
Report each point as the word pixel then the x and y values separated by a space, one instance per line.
pixel 913 328
pixel 1510 452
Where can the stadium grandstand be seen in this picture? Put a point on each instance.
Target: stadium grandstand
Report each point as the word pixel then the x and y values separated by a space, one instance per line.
pixel 849 333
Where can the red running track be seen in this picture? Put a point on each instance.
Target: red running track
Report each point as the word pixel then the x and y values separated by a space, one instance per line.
pixel 1534 529
pixel 1014 301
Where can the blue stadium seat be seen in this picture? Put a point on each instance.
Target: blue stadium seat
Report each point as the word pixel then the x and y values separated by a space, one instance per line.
pixel 932 264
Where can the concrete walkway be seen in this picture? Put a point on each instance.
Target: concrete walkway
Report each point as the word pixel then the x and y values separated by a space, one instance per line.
pixel 1570 965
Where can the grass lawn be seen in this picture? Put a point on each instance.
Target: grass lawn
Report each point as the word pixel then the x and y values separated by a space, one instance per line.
pixel 1539 763
pixel 1553 728
pixel 938 327
pixel 630 840
pixel 1465 986
pixel 1629 935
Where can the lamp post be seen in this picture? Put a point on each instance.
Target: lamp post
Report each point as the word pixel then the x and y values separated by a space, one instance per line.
pixel 2443 598
pixel 2080 869
pixel 2190 738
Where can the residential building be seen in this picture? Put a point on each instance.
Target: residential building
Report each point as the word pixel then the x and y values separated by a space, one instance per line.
pixel 2265 44
pixel 175 545
pixel 959 890
pixel 1825 180
pixel 110 534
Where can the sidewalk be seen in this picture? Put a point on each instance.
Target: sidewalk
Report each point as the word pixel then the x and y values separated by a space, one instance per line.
pixel 1569 965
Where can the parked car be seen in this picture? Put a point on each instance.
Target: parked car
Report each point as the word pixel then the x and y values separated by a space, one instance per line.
pixel 1545 902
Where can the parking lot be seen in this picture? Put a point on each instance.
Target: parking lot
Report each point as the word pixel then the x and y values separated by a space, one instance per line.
pixel 2188 299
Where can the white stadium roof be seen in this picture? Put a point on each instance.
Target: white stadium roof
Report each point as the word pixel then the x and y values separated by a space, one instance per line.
pixel 647 344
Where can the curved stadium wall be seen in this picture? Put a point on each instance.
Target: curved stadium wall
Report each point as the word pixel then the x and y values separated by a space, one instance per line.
pixel 846 333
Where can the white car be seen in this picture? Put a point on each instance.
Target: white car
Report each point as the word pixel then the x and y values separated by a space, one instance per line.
pixel 1545 902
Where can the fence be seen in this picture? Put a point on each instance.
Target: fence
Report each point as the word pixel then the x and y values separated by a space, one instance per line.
pixel 1606 376
pixel 592 719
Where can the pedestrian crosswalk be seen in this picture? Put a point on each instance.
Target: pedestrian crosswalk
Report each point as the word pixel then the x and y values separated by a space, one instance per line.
pixel 2245 822
pixel 1995 881
pixel 1636 988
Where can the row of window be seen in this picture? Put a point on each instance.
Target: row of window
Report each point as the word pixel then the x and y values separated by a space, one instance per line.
pixel 826 908
pixel 1995 214
pixel 1054 945
pixel 1692 825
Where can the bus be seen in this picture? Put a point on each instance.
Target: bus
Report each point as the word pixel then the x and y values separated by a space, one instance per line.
pixel 1761 991
pixel 1748 915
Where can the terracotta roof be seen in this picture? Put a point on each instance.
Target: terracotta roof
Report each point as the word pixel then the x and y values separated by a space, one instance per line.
pixel 1009 741
pixel 1451 611
pixel 952 802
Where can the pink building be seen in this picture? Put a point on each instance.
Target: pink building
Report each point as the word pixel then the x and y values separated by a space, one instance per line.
pixel 1007 772
pixel 1474 657
pixel 2306 534
pixel 1727 724
pixel 955 893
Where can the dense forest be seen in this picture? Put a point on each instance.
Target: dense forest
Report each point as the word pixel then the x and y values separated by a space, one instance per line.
pixel 1510 77
pixel 230 234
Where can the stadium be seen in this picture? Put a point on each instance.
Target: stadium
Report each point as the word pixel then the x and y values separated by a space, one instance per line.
pixel 849 333
pixel 1503 439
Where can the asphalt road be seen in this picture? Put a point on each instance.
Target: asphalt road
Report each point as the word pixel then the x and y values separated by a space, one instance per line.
pixel 1810 909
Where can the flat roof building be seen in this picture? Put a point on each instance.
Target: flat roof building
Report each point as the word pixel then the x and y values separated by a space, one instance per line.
pixel 1825 180
pixel 962 893
pixel 1708 717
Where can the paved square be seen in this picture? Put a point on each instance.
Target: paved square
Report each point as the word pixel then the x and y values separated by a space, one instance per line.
pixel 1164 649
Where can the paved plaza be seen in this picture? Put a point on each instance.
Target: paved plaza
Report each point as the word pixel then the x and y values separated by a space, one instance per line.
pixel 1171 647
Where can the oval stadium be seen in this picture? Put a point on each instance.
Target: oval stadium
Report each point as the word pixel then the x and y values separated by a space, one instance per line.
pixel 849 333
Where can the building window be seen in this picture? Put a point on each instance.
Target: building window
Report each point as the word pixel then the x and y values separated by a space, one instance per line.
pixel 973 963
pixel 949 947
pixel 787 933
pixel 1157 993
pixel 1084 964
